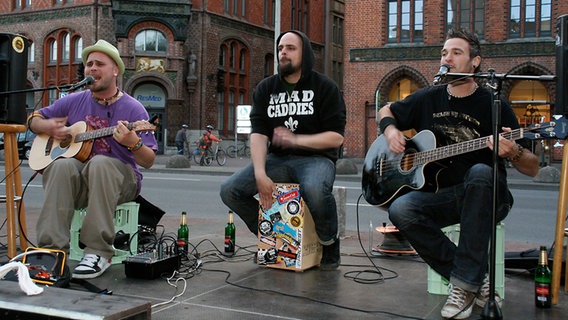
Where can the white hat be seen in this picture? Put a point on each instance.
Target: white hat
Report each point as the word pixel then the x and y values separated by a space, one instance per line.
pixel 107 48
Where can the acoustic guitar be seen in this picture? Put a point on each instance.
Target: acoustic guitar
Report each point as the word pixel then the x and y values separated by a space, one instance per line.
pixel 78 144
pixel 387 175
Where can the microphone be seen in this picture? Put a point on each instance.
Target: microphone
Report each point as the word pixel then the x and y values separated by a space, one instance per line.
pixel 85 82
pixel 444 69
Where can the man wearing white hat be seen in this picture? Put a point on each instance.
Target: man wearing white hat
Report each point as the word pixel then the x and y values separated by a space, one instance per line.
pixel 109 175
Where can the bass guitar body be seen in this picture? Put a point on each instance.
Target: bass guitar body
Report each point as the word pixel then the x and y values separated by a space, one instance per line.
pixel 387 175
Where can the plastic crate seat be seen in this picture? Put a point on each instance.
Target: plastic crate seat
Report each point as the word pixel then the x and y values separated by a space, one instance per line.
pixel 438 285
pixel 125 219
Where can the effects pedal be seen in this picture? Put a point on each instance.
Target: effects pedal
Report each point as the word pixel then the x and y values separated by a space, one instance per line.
pixel 150 265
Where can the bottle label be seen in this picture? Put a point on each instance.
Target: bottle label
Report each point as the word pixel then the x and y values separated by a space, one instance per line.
pixel 229 245
pixel 542 289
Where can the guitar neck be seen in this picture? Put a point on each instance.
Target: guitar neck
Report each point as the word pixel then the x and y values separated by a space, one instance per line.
pixel 427 156
pixel 103 132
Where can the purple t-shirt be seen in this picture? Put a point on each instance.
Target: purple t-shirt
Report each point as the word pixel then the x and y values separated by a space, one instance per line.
pixel 80 106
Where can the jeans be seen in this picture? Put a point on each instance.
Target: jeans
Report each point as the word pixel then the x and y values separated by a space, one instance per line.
pixel 420 216
pixel 315 175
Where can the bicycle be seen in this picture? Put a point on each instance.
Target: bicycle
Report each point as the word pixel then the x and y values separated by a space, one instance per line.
pixel 208 155
pixel 196 154
pixel 242 150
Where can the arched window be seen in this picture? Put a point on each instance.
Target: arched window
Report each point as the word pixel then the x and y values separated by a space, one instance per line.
pixel 78 48
pixel 66 47
pixel 53 51
pixel 62 60
pixel 152 41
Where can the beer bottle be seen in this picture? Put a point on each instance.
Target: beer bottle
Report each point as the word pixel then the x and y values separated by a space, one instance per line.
pixel 542 280
pixel 230 236
pixel 183 235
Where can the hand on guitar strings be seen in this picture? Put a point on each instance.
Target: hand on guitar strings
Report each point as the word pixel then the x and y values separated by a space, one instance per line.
pixel 123 135
pixel 57 128
pixel 507 148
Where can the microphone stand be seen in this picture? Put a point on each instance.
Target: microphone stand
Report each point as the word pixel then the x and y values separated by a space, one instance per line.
pixel 63 88
pixel 492 309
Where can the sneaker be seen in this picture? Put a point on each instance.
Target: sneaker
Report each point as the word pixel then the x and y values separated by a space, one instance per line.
pixel 483 294
pixel 330 258
pixel 459 303
pixel 91 266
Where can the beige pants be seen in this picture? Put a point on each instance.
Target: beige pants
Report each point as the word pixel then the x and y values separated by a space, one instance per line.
pixel 99 185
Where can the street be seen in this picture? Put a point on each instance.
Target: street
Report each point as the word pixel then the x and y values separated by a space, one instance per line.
pixel 532 219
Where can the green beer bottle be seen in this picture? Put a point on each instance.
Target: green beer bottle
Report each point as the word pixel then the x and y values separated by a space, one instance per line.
pixel 230 236
pixel 183 235
pixel 542 281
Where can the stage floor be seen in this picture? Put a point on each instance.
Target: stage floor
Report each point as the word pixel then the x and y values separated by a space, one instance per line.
pixel 376 287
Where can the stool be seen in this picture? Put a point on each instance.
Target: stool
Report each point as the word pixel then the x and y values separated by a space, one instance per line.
pixel 438 285
pixel 125 219
pixel 14 203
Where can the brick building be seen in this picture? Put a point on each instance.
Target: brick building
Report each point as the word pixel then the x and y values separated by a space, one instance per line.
pixel 187 61
pixel 392 48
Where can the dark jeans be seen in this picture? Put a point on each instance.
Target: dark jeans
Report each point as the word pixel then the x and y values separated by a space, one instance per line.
pixel 315 175
pixel 420 216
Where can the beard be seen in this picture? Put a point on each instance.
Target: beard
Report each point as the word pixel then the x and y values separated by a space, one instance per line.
pixel 286 69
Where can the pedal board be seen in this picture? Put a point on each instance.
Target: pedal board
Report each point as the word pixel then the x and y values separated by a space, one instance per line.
pixel 150 265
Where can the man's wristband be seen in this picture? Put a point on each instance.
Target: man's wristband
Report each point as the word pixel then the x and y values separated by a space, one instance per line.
pixel 517 155
pixel 385 122
pixel 137 146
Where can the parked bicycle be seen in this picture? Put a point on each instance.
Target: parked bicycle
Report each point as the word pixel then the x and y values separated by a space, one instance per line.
pixel 242 149
pixel 206 156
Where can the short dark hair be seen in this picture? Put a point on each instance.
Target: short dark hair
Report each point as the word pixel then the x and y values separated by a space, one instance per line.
pixel 471 38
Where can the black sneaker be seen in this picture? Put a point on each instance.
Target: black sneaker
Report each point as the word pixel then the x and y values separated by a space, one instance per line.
pixel 330 258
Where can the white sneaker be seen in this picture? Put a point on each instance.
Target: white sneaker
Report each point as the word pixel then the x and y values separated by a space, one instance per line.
pixel 459 303
pixel 91 266
pixel 483 294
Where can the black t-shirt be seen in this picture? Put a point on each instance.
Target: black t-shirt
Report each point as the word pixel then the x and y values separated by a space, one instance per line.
pixel 454 120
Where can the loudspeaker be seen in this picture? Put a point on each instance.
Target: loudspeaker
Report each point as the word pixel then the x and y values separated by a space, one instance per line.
pixel 562 66
pixel 13 70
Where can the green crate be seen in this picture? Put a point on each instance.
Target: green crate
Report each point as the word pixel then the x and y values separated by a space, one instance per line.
pixel 125 219
pixel 438 285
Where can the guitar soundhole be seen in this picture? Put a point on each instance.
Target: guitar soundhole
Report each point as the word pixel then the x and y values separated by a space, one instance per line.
pixel 65 142
pixel 407 160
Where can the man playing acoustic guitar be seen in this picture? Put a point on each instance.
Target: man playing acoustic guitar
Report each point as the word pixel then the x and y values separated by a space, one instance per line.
pixel 107 175
pixel 462 192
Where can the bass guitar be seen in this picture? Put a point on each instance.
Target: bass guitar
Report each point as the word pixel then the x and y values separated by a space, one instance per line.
pixel 387 175
pixel 77 144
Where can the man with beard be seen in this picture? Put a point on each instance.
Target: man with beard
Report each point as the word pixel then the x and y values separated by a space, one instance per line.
pixel 462 192
pixel 109 176
pixel 298 123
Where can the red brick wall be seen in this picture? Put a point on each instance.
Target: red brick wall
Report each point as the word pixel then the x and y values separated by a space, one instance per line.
pixel 366 24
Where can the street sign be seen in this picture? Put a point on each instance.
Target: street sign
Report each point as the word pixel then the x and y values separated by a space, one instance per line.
pixel 243 119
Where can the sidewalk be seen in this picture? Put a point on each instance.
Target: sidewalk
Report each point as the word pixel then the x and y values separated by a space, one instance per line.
pixel 516 179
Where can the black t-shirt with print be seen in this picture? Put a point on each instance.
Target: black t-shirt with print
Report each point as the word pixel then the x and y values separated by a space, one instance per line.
pixel 454 120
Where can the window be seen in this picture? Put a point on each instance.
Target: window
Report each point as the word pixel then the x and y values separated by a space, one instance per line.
pixel 337 36
pixel 530 18
pixel 268 65
pixel 405 21
pixel 78 48
pixel 62 61
pixel 66 47
pixel 31 53
pixel 232 82
pixel 466 14
pixel 300 15
pixel 269 12
pixel 151 41
pixel 53 51
pixel 226 6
